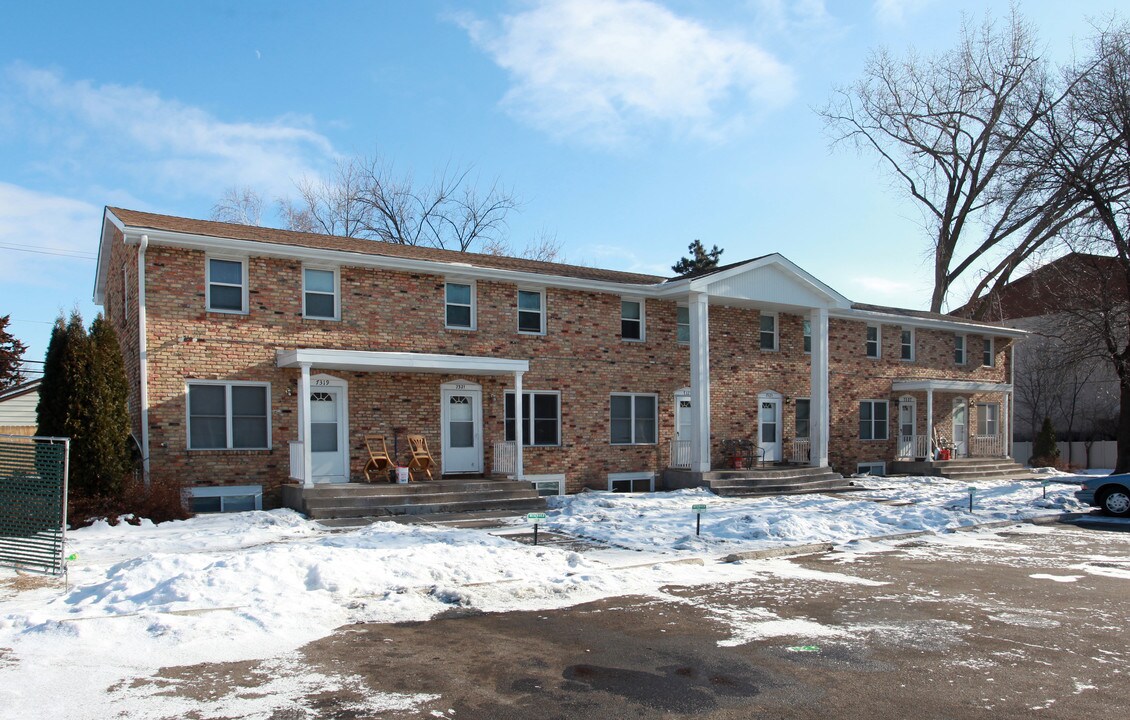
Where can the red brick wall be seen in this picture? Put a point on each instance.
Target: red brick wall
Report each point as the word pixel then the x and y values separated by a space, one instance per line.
pixel 581 356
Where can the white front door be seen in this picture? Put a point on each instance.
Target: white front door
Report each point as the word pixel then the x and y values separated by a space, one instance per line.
pixel 908 411
pixel 462 420
pixel 329 456
pixel 960 428
pixel 684 427
pixel 769 428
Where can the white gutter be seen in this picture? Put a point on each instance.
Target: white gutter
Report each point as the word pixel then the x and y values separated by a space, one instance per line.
pixel 955 325
pixel 143 356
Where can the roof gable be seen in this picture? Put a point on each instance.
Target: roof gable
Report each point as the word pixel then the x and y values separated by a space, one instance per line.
pixel 767 280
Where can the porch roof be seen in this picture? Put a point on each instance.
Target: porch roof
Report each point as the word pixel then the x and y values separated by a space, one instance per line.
pixel 949 386
pixel 373 361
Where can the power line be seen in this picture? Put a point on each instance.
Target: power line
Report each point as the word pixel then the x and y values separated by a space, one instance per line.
pixel 76 254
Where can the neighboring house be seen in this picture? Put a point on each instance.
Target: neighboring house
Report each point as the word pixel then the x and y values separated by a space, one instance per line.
pixel 17 408
pixel 259 356
pixel 1079 391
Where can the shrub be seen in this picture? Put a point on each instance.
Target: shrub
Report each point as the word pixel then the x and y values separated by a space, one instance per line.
pixel 162 500
pixel 1045 452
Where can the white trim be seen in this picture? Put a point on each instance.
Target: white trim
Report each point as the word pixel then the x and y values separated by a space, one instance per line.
pixel 475 391
pixel 913 344
pixel 243 261
pixel 776 331
pixel 642 319
pixel 558 478
pixel 323 380
pixel 878 464
pixel 336 292
pixel 226 491
pixel 703 283
pixel 228 385
pixel 878 341
pixel 374 361
pixel 969 386
pixel 964 349
pixel 633 396
pixel 631 476
pixel 473 304
pixel 895 318
pixel 540 292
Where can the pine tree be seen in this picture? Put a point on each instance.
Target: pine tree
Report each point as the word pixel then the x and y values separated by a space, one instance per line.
pixel 1045 453
pixel 51 413
pixel 106 412
pixel 699 260
pixel 11 356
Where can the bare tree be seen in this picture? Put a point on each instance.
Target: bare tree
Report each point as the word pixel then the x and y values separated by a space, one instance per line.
pixel 331 206
pixel 947 127
pixel 241 205
pixel 544 246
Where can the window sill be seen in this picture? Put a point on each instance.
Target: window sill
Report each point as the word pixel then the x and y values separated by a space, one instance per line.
pixel 227 312
pixel 460 329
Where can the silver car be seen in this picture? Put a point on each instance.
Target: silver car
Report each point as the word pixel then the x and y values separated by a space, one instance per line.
pixel 1110 493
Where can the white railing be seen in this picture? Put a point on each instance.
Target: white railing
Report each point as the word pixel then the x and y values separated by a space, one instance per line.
pixel 802 450
pixel 681 454
pixel 913 446
pixel 986 446
pixel 296 464
pixel 505 458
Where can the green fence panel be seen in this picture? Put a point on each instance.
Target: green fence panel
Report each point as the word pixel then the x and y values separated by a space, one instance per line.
pixel 33 502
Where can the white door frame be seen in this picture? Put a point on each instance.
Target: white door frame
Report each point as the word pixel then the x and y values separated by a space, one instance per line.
pixel 323 383
pixel 907 442
pixel 473 462
pixel 962 449
pixel 774 452
pixel 684 394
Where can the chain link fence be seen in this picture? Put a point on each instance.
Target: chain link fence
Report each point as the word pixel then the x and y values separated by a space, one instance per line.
pixel 33 502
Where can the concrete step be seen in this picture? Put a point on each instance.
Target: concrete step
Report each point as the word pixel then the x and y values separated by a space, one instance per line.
pixel 798 471
pixel 418 498
pixel 805 488
pixel 385 488
pixel 759 481
pixel 517 505
pixel 480 519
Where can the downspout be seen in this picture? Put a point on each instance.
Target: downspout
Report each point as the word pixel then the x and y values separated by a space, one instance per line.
pixel 143 357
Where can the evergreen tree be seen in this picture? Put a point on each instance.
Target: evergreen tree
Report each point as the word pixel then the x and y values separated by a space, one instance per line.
pixel 1045 453
pixel 699 260
pixel 11 356
pixel 51 413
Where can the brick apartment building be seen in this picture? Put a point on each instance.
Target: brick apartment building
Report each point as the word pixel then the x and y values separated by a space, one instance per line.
pixel 260 357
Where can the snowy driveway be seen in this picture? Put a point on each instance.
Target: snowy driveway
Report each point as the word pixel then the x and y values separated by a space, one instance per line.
pixel 256 586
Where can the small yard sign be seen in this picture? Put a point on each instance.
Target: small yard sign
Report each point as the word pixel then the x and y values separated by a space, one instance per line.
pixel 698 511
pixel 972 491
pixel 535 518
pixel 698 508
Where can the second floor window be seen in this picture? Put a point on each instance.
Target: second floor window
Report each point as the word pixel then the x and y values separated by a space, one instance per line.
pixel 768 331
pixel 808 336
pixel 631 319
pixel 319 290
pixel 959 349
pixel 683 324
pixel 908 344
pixel 459 306
pixel 872 344
pixel 989 357
pixel 531 312
pixel 227 285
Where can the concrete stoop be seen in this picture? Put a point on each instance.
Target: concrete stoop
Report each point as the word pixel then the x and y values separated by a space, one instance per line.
pixel 771 480
pixel 963 468
pixel 383 500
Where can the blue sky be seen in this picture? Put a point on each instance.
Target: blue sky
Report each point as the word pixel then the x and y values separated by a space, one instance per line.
pixel 627 127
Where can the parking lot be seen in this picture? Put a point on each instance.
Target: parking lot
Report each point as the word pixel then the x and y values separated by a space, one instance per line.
pixel 1028 621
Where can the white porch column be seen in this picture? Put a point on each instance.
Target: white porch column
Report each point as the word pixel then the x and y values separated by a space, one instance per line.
pixel 700 381
pixel 930 422
pixel 519 472
pixel 1006 429
pixel 819 421
pixel 304 414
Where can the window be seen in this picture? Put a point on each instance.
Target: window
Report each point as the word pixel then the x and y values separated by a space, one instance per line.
pixel 125 292
pixel 229 416
pixel 683 324
pixel 319 294
pixel 908 344
pixel 542 424
pixel 872 347
pixel 631 320
pixel 803 418
pixel 807 335
pixel 531 312
pixel 988 419
pixel 768 331
pixel 548 484
pixel 873 420
pixel 459 301
pixel 230 498
pixel 871 468
pixel 227 285
pixel 959 349
pixel 631 482
pixel 634 419
pixel 989 358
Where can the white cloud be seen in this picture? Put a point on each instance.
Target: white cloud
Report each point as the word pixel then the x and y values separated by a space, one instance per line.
pixel 89 128
pixel 61 228
pixel 604 71
pixel 894 12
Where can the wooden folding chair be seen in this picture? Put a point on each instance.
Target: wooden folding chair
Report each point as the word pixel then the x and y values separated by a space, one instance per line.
pixel 422 461
pixel 379 459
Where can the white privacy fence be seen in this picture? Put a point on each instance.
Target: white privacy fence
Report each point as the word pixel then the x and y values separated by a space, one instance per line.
pixel 1102 455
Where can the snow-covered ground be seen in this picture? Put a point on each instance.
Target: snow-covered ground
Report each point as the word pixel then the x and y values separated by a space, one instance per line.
pixel 259 585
